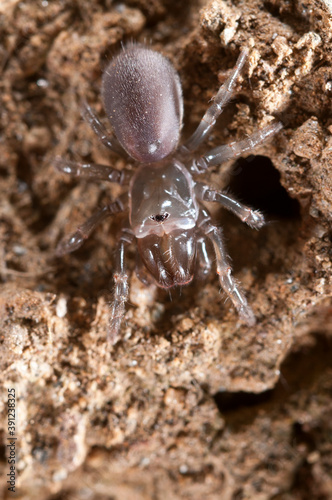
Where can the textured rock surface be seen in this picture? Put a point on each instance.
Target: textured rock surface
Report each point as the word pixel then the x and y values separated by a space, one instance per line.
pixel 192 403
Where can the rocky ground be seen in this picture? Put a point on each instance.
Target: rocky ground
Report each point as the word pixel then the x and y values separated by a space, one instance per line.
pixel 192 403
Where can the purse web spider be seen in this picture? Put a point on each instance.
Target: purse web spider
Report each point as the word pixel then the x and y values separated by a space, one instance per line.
pixel 143 101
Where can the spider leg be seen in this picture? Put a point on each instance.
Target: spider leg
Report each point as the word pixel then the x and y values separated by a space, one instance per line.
pixel 224 271
pixel 121 288
pixel 74 240
pixel 108 140
pixel 219 102
pixel 254 218
pixel 229 151
pixel 91 171
pixel 202 258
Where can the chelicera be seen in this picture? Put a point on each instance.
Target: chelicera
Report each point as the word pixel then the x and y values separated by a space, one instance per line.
pixel 166 217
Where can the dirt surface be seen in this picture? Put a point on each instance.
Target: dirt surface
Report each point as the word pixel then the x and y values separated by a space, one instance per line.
pixel 192 403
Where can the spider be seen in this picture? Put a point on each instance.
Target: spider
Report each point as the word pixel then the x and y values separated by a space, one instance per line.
pixel 166 217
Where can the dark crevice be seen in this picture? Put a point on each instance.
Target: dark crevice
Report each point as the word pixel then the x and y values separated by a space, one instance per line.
pixel 3 450
pixel 302 369
pixel 27 212
pixel 4 173
pixel 230 401
pixel 23 170
pixel 289 14
pixel 305 484
pixel 256 182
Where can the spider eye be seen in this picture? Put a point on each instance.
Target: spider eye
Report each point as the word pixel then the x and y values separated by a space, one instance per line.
pixel 160 217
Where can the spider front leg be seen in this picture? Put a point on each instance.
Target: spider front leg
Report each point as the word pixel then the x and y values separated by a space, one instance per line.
pixel 219 155
pixel 121 288
pixel 76 239
pixel 224 271
pixel 254 218
pixel 219 102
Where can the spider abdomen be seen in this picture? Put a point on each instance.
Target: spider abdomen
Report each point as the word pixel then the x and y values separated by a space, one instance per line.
pixel 143 100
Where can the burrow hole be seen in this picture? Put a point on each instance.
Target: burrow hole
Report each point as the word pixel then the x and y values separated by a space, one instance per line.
pixel 256 182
